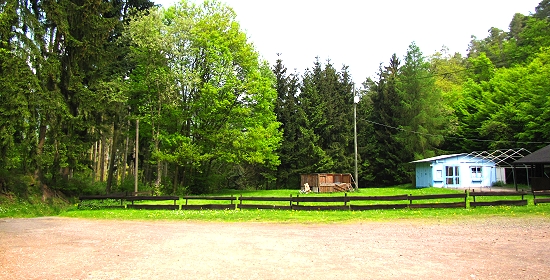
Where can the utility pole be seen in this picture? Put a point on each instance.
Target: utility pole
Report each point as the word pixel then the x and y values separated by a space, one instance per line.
pixel 355 101
pixel 136 160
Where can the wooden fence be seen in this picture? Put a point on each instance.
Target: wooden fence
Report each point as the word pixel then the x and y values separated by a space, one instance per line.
pixel 540 188
pixel 359 203
pixel 241 204
pixel 212 206
pixel 502 198
pixel 132 199
pixel 308 202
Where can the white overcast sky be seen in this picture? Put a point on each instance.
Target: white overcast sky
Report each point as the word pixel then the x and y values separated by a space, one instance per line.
pixel 364 33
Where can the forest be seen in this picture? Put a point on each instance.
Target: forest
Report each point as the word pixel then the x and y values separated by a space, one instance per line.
pixel 107 96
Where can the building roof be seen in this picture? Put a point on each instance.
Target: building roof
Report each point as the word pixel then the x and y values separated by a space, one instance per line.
pixel 540 156
pixel 437 158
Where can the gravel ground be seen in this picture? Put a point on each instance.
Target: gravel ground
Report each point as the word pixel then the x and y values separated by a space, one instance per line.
pixel 65 248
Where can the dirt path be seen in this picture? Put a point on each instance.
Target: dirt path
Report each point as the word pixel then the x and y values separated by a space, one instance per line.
pixel 64 248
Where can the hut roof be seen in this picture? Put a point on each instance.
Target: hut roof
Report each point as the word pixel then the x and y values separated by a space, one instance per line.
pixel 540 156
pixel 436 158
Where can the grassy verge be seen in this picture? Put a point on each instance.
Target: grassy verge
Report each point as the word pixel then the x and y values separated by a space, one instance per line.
pixel 32 206
pixel 287 216
pixel 35 207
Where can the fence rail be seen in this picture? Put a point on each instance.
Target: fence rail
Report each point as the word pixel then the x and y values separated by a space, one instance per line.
pixel 541 197
pixel 506 198
pixel 460 204
pixel 241 205
pixel 210 206
pixel 132 199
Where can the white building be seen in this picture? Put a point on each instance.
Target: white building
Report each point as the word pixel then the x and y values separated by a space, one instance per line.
pixel 455 171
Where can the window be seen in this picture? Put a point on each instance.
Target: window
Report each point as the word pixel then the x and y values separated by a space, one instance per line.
pixel 438 174
pixel 452 176
pixel 476 172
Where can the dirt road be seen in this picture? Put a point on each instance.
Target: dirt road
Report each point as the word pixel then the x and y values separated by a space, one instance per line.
pixel 64 248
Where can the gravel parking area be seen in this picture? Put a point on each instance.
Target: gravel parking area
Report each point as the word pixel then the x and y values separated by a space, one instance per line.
pixel 65 248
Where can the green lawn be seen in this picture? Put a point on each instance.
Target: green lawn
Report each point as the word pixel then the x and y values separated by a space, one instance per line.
pixel 289 216
pixel 97 210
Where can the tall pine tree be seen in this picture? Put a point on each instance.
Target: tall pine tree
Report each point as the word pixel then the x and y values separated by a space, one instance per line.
pixel 383 151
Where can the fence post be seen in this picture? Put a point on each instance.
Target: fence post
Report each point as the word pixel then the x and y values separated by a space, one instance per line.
pixel 345 199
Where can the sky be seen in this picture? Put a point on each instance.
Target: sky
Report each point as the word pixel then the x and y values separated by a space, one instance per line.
pixel 362 34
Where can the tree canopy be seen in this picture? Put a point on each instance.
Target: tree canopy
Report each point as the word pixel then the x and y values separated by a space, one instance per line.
pixel 77 76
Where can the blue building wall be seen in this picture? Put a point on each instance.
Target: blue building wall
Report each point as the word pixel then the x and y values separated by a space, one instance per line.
pixel 424 175
pixel 455 171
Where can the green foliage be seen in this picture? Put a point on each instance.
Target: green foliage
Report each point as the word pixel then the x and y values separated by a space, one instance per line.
pixel 509 107
pixel 424 118
pixel 76 75
pixel 407 116
pixel 17 183
pixel 99 204
pixel 384 158
pixel 32 206
pixel 205 98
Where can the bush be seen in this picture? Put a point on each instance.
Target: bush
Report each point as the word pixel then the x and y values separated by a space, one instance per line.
pixel 19 184
pixel 498 184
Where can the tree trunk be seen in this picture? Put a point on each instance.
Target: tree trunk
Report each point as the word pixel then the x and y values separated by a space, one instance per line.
pixel 125 157
pixel 112 160
pixel 38 173
pixel 158 180
pixel 175 185
pixel 95 166
pixel 136 158
pixel 102 159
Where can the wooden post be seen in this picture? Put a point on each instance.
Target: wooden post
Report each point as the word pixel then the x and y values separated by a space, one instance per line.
pixel 345 199
pixel 513 175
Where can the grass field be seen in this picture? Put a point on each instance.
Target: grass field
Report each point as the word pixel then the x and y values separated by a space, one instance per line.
pixel 30 207
pixel 96 210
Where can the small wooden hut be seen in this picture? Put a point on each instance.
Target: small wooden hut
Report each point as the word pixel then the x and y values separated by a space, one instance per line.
pixel 327 182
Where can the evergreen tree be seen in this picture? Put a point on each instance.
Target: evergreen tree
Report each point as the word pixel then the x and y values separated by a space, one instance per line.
pixel 424 118
pixel 312 121
pixel 383 152
pixel 286 109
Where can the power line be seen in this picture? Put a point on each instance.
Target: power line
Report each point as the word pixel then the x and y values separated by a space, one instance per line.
pixel 456 138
